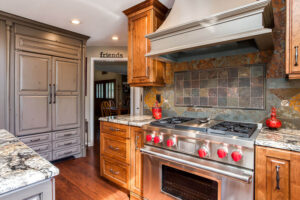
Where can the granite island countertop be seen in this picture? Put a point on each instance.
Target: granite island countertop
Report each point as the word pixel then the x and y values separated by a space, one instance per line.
pixel 286 139
pixel 130 120
pixel 20 166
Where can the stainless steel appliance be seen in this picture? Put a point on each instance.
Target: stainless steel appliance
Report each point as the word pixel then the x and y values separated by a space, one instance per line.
pixel 187 158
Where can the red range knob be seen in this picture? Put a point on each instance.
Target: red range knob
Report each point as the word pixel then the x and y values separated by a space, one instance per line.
pixel 202 152
pixel 149 138
pixel 222 152
pixel 170 143
pixel 236 156
pixel 157 139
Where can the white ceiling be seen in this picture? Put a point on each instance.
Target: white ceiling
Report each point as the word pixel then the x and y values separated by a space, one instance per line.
pixel 100 19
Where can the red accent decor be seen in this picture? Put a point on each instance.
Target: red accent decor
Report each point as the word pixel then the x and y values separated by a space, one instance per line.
pixel 202 153
pixel 273 122
pixel 157 111
pixel 236 156
pixel 222 153
pixel 170 143
pixel 156 139
pixel 149 138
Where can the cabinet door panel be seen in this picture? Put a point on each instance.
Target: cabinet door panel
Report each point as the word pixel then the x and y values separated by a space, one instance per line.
pixel 32 102
pixel 66 109
pixel 295 36
pixel 66 112
pixel 136 160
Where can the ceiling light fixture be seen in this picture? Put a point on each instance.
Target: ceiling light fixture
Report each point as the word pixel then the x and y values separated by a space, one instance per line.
pixel 115 38
pixel 75 21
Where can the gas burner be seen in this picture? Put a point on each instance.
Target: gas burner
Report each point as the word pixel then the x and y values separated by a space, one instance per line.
pixel 171 122
pixel 239 129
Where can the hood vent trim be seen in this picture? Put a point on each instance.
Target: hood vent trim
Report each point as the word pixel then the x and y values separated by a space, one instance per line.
pixel 237 31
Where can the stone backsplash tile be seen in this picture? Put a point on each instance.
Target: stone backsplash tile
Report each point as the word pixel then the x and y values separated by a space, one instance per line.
pixel 229 87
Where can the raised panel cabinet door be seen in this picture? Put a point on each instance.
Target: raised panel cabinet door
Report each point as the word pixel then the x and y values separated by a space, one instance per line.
pixel 139 64
pixel 66 93
pixel 278 178
pixel 293 39
pixel 136 160
pixel 33 101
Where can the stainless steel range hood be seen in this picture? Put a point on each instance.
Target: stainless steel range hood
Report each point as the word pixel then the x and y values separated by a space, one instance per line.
pixel 198 29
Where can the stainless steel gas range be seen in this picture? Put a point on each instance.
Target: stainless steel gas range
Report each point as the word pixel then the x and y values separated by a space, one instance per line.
pixel 195 159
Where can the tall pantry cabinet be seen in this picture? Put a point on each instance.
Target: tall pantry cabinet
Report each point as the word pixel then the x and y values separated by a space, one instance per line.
pixel 45 67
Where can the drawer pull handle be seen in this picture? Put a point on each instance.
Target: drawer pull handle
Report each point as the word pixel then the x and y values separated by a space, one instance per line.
pixel 113 172
pixel 136 142
pixel 114 129
pixel 277 177
pixel 296 55
pixel 35 140
pixel 69 143
pixel 68 152
pixel 113 148
pixel 69 134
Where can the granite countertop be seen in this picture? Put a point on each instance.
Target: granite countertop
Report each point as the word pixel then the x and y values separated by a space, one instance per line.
pixel 287 139
pixel 130 120
pixel 20 165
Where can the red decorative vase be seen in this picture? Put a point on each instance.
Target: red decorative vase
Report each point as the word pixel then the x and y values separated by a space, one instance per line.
pixel 157 111
pixel 273 122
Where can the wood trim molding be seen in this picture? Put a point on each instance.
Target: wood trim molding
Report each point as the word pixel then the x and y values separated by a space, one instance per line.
pixel 148 3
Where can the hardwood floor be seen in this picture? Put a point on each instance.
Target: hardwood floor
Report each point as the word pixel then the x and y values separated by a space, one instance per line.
pixel 79 179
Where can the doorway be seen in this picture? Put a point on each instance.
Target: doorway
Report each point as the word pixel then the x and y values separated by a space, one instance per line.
pixel 108 83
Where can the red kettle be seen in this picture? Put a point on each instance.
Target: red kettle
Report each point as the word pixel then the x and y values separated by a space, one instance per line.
pixel 157 111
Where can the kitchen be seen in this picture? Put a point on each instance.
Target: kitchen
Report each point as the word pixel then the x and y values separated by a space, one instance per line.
pixel 216 114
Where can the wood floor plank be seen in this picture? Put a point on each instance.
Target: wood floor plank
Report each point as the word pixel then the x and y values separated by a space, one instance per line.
pixel 80 179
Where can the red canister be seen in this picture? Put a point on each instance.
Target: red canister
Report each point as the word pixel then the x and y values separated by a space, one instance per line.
pixel 273 122
pixel 157 111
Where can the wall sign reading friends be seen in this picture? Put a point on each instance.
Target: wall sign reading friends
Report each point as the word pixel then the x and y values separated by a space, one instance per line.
pixel 111 55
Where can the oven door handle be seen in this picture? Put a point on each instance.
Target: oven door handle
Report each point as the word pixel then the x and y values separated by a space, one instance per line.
pixel 242 177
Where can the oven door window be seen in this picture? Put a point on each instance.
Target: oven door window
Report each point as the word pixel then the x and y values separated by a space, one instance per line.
pixel 187 186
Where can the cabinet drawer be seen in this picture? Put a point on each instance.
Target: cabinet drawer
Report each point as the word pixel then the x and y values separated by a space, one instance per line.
pixel 115 147
pixel 37 139
pixel 66 134
pixel 42 147
pixel 115 129
pixel 66 143
pixel 47 155
pixel 115 171
pixel 66 152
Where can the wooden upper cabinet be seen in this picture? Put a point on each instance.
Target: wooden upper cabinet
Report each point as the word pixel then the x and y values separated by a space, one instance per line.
pixel 143 19
pixel 276 174
pixel 293 39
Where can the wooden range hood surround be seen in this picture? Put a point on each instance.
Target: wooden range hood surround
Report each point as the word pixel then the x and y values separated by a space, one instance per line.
pixel 198 29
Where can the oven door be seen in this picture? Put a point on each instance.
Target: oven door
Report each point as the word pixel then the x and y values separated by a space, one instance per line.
pixel 168 175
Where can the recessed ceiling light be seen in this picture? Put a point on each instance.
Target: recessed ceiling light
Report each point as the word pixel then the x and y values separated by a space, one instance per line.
pixel 115 38
pixel 75 21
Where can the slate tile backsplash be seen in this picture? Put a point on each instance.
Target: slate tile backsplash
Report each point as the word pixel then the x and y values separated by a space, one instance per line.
pixel 236 87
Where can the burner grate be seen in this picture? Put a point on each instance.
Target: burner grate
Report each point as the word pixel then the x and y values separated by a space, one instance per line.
pixel 171 122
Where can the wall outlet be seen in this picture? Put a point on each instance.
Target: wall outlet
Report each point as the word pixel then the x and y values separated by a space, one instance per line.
pixel 158 98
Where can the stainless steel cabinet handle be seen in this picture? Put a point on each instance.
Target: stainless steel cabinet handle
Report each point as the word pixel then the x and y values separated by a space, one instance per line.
pixel 277 177
pixel 296 55
pixel 54 93
pixel 113 172
pixel 50 95
pixel 242 177
pixel 114 129
pixel 113 148
pixel 136 142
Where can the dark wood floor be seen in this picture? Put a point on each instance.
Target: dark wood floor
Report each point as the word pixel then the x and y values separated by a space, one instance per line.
pixel 79 179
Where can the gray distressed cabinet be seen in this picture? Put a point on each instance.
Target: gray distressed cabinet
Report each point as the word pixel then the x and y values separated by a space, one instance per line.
pixel 42 95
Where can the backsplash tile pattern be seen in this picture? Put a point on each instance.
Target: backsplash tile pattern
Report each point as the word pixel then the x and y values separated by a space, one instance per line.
pixel 236 87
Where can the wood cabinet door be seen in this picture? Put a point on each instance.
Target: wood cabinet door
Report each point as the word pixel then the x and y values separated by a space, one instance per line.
pixel 66 93
pixel 138 64
pixel 32 93
pixel 278 173
pixel 136 141
pixel 293 38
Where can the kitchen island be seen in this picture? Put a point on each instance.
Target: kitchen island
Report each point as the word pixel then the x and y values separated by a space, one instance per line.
pixel 24 174
pixel 129 120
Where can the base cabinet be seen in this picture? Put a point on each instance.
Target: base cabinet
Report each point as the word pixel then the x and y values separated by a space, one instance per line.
pixel 276 174
pixel 120 157
pixel 44 190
